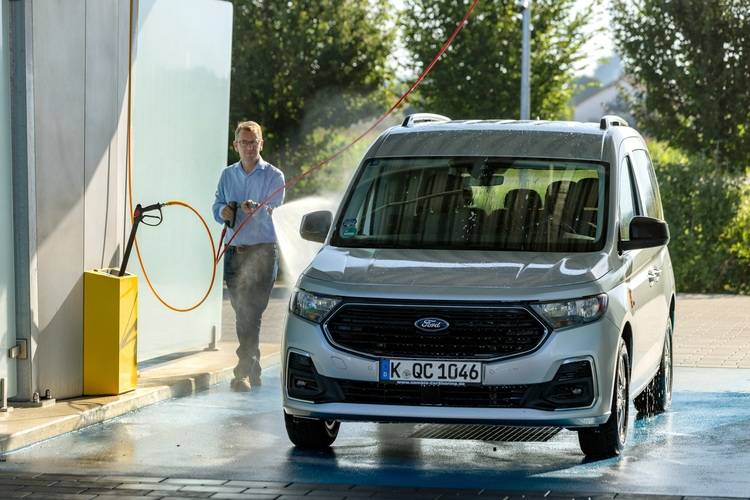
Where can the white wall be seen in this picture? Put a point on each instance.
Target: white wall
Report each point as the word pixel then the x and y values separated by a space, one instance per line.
pixel 597 105
pixel 77 72
pixel 594 107
pixel 180 137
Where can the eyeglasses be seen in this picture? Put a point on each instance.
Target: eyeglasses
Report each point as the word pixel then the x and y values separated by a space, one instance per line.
pixel 246 144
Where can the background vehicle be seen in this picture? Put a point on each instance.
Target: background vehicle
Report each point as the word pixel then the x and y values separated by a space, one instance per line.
pixel 487 271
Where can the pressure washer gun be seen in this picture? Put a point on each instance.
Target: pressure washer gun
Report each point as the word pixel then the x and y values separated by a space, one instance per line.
pixel 230 224
pixel 140 214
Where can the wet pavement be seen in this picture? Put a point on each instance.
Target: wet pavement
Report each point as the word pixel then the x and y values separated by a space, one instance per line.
pixel 701 447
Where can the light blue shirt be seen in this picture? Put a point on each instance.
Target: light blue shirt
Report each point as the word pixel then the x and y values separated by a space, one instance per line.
pixel 237 185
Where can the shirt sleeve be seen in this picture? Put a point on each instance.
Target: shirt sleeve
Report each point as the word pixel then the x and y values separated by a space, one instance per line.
pixel 276 190
pixel 220 199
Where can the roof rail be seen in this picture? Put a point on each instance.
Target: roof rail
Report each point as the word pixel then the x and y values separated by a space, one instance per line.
pixel 612 121
pixel 418 118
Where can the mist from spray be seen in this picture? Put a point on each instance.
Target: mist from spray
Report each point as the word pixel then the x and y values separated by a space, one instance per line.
pixel 296 253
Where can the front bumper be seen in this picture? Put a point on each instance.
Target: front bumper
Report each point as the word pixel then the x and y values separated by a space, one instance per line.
pixel 596 343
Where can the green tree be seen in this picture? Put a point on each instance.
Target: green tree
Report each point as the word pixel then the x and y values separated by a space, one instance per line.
pixel 691 59
pixel 306 70
pixel 708 212
pixel 481 74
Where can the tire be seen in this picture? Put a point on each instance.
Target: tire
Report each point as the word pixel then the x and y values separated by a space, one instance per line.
pixel 608 439
pixel 657 397
pixel 311 433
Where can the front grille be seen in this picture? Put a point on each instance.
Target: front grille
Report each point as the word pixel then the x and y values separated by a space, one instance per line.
pixel 474 332
pixel 475 396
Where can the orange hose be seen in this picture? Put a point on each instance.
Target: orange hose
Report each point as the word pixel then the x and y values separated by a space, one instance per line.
pixel 214 261
pixel 213 266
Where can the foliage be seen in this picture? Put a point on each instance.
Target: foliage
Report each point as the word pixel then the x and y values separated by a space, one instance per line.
pixel 305 71
pixel 480 75
pixel 708 212
pixel 738 234
pixel 691 61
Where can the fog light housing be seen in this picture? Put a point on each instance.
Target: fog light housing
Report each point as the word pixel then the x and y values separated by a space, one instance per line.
pixel 572 387
pixel 302 379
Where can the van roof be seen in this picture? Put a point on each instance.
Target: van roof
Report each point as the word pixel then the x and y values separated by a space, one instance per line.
pixel 504 138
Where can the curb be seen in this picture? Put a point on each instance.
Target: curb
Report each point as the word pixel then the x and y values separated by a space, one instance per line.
pixel 79 413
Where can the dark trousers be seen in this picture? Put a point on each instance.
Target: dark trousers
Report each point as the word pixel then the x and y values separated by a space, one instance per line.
pixel 249 272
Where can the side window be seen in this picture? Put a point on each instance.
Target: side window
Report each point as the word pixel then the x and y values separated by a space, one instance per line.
pixel 648 189
pixel 628 201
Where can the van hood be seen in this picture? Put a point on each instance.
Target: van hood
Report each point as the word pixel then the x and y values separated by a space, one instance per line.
pixel 445 268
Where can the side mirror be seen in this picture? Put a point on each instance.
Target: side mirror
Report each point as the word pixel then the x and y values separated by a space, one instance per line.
pixel 646 232
pixel 315 225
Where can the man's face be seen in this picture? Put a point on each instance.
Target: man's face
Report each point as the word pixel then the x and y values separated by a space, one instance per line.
pixel 249 146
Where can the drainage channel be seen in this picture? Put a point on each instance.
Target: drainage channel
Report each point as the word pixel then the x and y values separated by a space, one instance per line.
pixel 493 433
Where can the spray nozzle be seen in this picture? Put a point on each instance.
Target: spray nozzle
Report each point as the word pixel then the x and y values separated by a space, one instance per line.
pixel 140 217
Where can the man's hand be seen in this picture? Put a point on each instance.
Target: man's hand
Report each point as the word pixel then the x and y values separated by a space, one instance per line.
pixel 249 206
pixel 227 213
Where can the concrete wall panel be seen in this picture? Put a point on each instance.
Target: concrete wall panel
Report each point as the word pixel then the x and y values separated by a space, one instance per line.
pixel 59 98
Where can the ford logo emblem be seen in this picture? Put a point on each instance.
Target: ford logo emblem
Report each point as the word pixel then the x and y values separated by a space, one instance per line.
pixel 431 325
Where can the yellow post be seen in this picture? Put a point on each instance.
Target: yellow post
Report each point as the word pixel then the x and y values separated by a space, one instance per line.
pixel 110 321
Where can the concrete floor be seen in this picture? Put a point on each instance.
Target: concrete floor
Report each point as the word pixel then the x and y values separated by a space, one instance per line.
pixel 701 447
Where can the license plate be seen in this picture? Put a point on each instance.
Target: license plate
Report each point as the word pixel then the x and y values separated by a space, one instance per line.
pixel 430 372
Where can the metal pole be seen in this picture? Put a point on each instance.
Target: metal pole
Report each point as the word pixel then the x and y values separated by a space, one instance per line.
pixel 525 91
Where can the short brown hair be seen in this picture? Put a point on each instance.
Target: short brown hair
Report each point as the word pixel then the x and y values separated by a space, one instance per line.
pixel 251 126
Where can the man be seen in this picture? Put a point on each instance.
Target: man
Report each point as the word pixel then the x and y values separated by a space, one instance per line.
pixel 250 260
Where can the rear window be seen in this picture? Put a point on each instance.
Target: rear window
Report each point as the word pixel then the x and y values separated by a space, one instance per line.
pixel 476 203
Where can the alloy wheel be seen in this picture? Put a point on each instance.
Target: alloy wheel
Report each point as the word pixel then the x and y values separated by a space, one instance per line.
pixel 622 399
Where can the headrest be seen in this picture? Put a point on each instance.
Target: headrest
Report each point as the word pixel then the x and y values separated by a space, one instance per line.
pixel 557 192
pixel 587 192
pixel 523 199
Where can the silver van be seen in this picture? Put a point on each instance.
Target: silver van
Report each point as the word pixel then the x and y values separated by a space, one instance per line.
pixel 493 272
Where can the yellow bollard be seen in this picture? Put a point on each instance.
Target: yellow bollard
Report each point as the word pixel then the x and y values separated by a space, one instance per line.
pixel 110 323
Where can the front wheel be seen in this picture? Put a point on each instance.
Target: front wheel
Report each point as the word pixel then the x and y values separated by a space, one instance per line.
pixel 608 439
pixel 311 433
pixel 657 397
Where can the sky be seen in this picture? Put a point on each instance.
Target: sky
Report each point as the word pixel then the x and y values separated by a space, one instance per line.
pixel 600 45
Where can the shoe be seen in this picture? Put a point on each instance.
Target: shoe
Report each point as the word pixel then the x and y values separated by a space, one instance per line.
pixel 240 384
pixel 255 381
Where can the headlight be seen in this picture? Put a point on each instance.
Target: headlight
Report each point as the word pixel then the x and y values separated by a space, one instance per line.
pixel 573 312
pixel 312 307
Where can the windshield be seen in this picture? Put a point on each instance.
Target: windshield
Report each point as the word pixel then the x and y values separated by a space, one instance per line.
pixel 476 203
